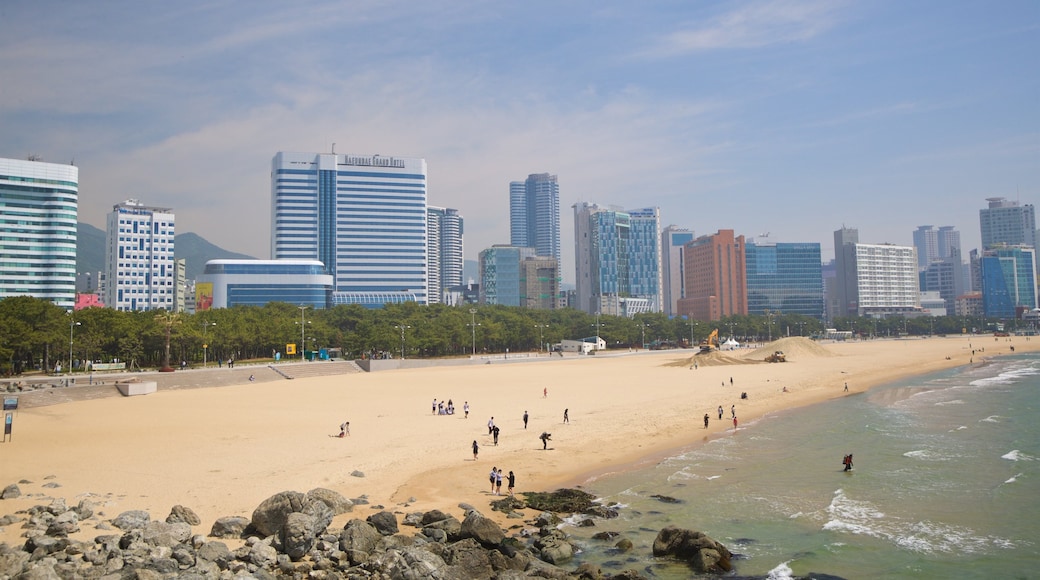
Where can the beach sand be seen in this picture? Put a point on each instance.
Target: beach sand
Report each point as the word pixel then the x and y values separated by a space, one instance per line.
pixel 222 451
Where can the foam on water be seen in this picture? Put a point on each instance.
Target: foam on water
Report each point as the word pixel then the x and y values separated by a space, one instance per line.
pixel 781 572
pixel 1014 479
pixel 1016 455
pixel 991 419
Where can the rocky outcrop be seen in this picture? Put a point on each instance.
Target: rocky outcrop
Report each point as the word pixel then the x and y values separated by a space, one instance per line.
pixel 705 555
pixel 481 529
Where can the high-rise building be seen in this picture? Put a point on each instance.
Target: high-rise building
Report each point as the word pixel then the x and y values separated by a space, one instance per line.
pixel 926 240
pixel 38 214
pixel 1008 280
pixel 363 217
pixel 784 277
pixel 874 279
pixel 444 246
pixel 534 214
pixel 672 240
pixel 617 259
pixel 140 271
pixel 1007 223
pixel 716 277
pixel 500 274
pixel 180 284
pixel 948 241
pixel 540 283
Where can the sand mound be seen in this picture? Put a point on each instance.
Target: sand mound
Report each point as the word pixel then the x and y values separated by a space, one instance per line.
pixel 711 359
pixel 794 347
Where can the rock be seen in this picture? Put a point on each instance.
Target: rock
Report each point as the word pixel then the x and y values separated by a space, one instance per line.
pixel 132 520
pixel 10 492
pixel 336 502
pixel 481 529
pixel 182 515
pixel 263 555
pixel 412 519
pixel 63 525
pixel 665 498
pixel 357 540
pixel 52 485
pixel 605 535
pixel 12 561
pixel 272 513
pixel 560 501
pixel 587 571
pixel 704 554
pixel 85 509
pixel 229 527
pixel 468 559
pixel 357 473
pixel 546 519
pixel 604 512
pixel 298 535
pixel 215 552
pixel 384 522
pixel 163 534
pixel 623 545
pixel 554 548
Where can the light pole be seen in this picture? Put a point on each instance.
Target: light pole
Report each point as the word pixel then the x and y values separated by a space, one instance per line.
pixel 205 345
pixel 692 324
pixel 642 328
pixel 303 324
pixel 401 327
pixel 541 342
pixel 473 331
pixel 72 324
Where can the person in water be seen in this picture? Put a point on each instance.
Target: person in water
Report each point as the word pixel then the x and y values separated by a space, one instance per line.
pixel 848 462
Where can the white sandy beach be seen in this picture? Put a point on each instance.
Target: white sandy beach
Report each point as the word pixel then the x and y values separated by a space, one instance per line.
pixel 221 451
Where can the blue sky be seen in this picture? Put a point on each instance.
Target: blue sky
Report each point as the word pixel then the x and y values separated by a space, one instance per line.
pixel 788 117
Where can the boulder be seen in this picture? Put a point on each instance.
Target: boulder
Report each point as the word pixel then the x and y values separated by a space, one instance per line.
pixel 229 527
pixel 85 509
pixel 12 561
pixel 215 552
pixel 481 529
pixel 468 559
pixel 705 555
pixel 163 534
pixel 63 525
pixel 384 522
pixel 10 492
pixel 336 502
pixel 357 540
pixel 181 514
pixel 132 520
pixel 272 513
pixel 554 548
pixel 298 535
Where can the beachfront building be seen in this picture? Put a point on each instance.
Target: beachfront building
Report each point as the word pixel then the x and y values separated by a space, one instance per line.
pixel 534 214
pixel 140 271
pixel 515 276
pixel 673 238
pixel 229 283
pixel 1008 280
pixel 874 279
pixel 715 273
pixel 1007 223
pixel 540 283
pixel 784 277
pixel 617 260
pixel 38 214
pixel 444 251
pixel 363 217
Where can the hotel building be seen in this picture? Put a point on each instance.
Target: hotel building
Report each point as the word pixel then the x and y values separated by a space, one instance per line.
pixel 715 274
pixel 363 217
pixel 38 215
pixel 140 272
pixel 784 277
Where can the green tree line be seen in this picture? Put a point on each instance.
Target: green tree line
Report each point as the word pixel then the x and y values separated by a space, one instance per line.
pixel 36 335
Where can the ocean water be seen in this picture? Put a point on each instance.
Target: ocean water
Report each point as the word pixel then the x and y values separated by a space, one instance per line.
pixel 946 484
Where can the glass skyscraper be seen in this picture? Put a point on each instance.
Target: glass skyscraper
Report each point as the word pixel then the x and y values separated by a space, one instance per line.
pixel 1006 222
pixel 363 217
pixel 1008 280
pixel 38 214
pixel 785 277
pixel 618 258
pixel 534 214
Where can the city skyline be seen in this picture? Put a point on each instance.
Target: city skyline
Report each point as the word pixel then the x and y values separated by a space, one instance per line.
pixel 791 117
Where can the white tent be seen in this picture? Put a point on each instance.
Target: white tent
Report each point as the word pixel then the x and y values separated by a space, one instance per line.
pixel 730 344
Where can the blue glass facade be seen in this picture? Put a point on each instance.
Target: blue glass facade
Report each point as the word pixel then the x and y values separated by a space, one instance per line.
pixel 365 218
pixel 500 275
pixel 257 282
pixel 1008 281
pixel 787 277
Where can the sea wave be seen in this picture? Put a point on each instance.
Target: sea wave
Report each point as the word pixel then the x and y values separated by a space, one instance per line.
pixel 1016 455
pixel 1014 479
pixel 781 572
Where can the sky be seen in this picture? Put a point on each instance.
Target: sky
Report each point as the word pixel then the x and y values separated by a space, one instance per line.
pixel 787 118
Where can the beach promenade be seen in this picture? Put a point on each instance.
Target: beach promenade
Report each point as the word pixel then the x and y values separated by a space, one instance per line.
pixel 221 451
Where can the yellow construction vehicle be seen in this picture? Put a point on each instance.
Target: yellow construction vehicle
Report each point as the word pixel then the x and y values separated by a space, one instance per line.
pixel 777 356
pixel 711 343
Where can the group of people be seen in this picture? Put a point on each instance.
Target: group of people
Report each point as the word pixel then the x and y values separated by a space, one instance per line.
pixel 344 430
pixel 442 408
pixel 732 410
pixel 496 481
pixel 847 462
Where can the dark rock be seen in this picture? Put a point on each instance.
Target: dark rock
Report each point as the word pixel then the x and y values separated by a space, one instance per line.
pixel 604 512
pixel 357 540
pixel 45 544
pixel 554 548
pixel 10 492
pixel 85 509
pixel 63 525
pixel 546 519
pixel 357 473
pixel 163 534
pixel 468 559
pixel 588 571
pixel 272 513
pixel 9 519
pixel 624 545
pixel 262 555
pixel 666 498
pixel 604 535
pixel 560 501
pixel 704 554
pixel 336 502
pixel 215 552
pixel 298 535
pixel 432 516
pixel 587 523
pixel 182 515
pixel 481 529
pixel 132 520
pixel 384 522
pixel 229 527
pixel 449 525
pixel 412 519
pixel 51 485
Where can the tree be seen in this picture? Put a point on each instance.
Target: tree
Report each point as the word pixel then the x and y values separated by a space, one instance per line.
pixel 167 320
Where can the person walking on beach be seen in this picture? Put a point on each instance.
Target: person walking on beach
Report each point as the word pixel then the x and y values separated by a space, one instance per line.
pixel 491 478
pixel 433 407
pixel 494 432
pixel 512 483
pixel 465 407
pixel 720 412
pixel 733 410
pixel 545 393
pixel 846 387
pixel 566 419
pixel 705 420
pixel 525 419
pixel 734 422
pixel 491 425
pixel 731 381
pixel 476 448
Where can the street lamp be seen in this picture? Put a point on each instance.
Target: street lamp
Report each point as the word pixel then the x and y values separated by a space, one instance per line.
pixel 642 328
pixel 541 342
pixel 401 327
pixel 303 324
pixel 473 330
pixel 72 324
pixel 205 345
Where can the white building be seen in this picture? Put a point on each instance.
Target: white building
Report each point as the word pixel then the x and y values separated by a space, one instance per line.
pixel 140 273
pixel 38 214
pixel 229 283
pixel 672 240
pixel 444 247
pixel 886 279
pixel 363 217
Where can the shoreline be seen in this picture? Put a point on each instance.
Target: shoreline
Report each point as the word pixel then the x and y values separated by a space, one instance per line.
pixel 625 411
